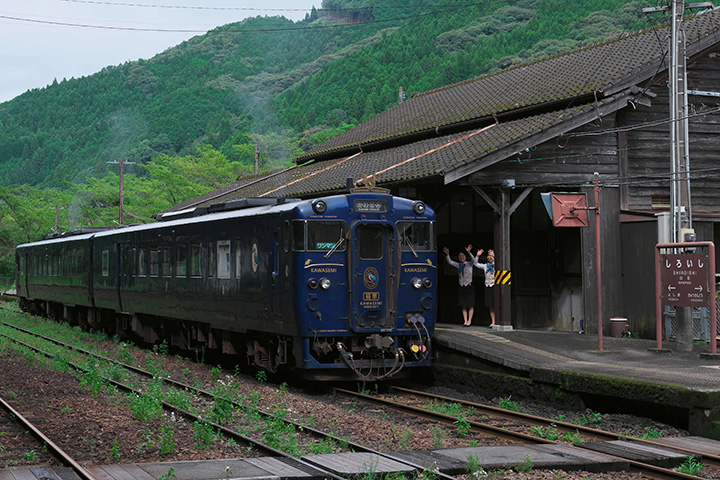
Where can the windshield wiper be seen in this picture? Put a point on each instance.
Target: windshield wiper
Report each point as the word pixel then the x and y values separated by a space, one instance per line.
pixel 335 247
pixel 409 244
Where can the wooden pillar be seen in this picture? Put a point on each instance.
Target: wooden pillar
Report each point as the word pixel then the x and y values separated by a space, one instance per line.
pixel 503 295
pixel 503 211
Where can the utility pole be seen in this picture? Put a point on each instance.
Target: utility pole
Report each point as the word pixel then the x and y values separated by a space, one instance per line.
pixel 680 203
pixel 57 217
pixel 121 162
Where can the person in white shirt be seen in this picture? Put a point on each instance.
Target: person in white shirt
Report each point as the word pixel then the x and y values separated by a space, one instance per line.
pixel 489 269
pixel 466 290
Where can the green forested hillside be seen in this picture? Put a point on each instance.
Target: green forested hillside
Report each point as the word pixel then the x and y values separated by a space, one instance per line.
pixel 271 75
pixel 265 86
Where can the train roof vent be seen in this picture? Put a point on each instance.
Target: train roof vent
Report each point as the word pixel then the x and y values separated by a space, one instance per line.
pixel 187 213
pixel 79 231
pixel 248 203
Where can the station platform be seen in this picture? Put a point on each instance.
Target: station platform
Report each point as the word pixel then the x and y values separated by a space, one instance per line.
pixel 668 384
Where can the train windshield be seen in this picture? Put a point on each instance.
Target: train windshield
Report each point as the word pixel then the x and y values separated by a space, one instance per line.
pixel 321 236
pixel 416 236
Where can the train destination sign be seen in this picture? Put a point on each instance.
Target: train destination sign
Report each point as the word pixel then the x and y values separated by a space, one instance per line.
pixel 685 279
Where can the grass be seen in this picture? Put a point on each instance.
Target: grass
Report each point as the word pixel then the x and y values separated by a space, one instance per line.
pixel 691 466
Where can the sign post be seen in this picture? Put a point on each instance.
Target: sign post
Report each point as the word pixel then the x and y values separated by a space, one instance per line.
pixel 685 280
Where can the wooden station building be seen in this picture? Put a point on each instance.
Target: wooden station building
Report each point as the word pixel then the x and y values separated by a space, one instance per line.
pixel 481 152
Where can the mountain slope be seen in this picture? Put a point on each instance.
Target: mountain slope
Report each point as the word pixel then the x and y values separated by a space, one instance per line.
pixel 272 76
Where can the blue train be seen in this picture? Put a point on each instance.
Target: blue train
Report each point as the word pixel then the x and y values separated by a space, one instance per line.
pixel 336 288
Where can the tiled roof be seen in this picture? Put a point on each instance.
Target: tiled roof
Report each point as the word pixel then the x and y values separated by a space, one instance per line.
pixel 431 157
pixel 604 71
pixel 598 69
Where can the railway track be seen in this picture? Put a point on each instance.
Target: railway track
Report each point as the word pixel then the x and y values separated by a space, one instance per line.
pixel 490 421
pixel 513 426
pixel 299 428
pixel 19 434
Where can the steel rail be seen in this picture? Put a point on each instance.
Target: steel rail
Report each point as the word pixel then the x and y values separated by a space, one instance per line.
pixel 646 469
pixel 59 452
pixel 191 416
pixel 712 458
pixel 182 386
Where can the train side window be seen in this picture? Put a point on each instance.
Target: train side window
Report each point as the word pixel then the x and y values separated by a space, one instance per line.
pixel 105 263
pixel 224 260
pixel 195 260
pixel 238 258
pixel 416 236
pixel 298 235
pixel 155 262
pixel 166 262
pixel 211 259
pixel 181 260
pixel 323 236
pixel 141 262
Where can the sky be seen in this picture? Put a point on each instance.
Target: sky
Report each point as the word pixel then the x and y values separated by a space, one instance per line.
pixel 45 40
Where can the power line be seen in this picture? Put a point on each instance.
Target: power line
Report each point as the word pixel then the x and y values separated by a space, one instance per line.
pixel 256 9
pixel 259 30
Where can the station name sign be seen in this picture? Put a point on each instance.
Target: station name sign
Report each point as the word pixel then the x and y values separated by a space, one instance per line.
pixel 685 279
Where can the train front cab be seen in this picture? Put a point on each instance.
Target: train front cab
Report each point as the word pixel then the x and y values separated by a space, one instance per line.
pixel 378 309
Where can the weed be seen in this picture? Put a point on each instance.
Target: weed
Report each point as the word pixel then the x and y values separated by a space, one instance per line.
pixel 527 464
pixel 144 407
pixel 551 432
pixel 573 437
pixel 186 372
pixel 92 380
pixel 511 405
pixel 123 353
pixel 215 373
pixel 65 410
pixel 437 433
pixel 115 450
pixel 463 426
pixel 453 409
pixel 203 433
pixel 12 394
pixel 473 467
pixel 691 466
pixel 169 475
pixel 221 411
pixel 326 446
pixel 166 444
pixel 405 438
pixel 163 348
pixel 650 432
pixel 31 455
pixel 261 376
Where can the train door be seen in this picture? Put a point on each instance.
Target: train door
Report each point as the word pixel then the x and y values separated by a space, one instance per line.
pixel 373 289
pixel 275 281
pixel 124 266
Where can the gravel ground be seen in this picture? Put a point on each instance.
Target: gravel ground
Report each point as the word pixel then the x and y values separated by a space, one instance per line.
pixel 103 429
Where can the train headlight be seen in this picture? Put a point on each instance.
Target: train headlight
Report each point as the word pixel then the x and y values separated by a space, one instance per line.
pixel 325 283
pixel 419 207
pixel 416 282
pixel 427 282
pixel 319 206
pixel 313 283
